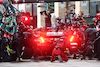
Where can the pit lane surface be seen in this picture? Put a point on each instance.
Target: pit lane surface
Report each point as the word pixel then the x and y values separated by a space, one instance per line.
pixel 70 63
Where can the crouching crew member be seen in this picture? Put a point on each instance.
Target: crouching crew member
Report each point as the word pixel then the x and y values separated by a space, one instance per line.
pixel 59 51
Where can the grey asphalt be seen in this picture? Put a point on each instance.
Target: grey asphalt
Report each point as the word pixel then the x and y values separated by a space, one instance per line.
pixel 70 63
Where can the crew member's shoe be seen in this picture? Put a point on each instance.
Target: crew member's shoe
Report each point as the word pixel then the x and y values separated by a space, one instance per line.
pixel 52 60
pixel 20 60
pixel 60 58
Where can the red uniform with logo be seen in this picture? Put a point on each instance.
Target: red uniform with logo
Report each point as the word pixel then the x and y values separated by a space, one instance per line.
pixel 59 50
pixel 97 17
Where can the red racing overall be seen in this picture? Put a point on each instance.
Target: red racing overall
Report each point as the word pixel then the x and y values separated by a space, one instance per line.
pixel 59 51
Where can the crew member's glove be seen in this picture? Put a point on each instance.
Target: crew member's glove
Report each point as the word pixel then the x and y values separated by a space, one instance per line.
pixel 66 51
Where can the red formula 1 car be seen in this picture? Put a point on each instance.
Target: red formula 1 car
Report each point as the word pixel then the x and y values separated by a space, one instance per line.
pixel 45 41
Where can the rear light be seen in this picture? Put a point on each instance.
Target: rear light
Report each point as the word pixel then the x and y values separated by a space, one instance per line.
pixel 25 18
pixel 71 39
pixel 42 39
